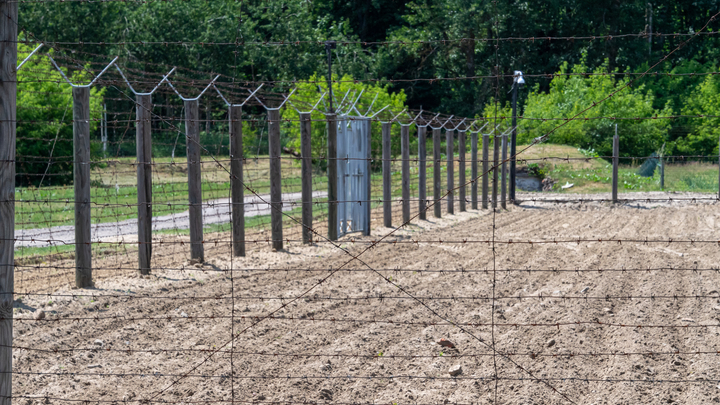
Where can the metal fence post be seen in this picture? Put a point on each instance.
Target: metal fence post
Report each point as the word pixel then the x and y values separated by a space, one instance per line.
pixel 192 135
pixel 143 146
pixel 405 153
pixel 437 159
pixel 237 180
pixel 422 171
pixel 503 185
pixel 332 177
pixel 275 179
pixel 306 173
pixel 8 116
pixel 461 169
pixel 368 172
pixel 616 159
pixel 496 161
pixel 81 181
pixel 474 170
pixel 450 155
pixel 485 168
pixel 386 174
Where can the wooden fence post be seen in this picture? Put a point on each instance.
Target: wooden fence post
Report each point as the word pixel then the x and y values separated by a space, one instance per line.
pixel 332 177
pixel 422 171
pixel 306 174
pixel 503 185
pixel 276 205
pixel 81 181
pixel 437 159
pixel 237 186
pixel 485 168
pixel 461 169
pixel 143 146
pixel 192 140
pixel 405 152
pixel 450 154
pixel 616 161
pixel 474 170
pixel 386 174
pixel 496 161
pixel 8 116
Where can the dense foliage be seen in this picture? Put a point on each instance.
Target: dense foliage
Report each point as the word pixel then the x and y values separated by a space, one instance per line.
pixel 404 43
pixel 45 132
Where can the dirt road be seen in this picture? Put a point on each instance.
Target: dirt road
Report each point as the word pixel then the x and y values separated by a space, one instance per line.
pixel 575 319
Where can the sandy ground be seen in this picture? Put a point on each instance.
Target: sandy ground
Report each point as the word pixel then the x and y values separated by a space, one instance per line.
pixel 588 322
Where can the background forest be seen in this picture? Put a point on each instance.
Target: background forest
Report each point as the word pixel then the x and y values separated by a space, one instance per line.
pixel 399 42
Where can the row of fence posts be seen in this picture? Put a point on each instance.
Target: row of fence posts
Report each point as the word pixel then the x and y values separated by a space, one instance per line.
pixel 81 178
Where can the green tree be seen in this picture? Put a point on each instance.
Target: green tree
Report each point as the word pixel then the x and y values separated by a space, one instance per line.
pixel 44 127
pixel 309 92
pixel 570 94
pixel 704 100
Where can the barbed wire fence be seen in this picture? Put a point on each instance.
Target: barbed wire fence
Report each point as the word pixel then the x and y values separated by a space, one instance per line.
pixel 211 202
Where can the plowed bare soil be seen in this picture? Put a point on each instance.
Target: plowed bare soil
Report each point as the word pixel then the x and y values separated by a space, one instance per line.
pixel 577 316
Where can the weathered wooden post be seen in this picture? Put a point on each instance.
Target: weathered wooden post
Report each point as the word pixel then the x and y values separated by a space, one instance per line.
pixel 237 186
pixel 192 135
pixel 143 146
pixel 306 174
pixel 386 174
pixel 437 159
pixel 503 185
pixel 405 153
pixel 81 181
pixel 422 171
pixel 485 168
pixel 616 161
pixel 332 176
pixel 8 116
pixel 474 170
pixel 461 169
pixel 275 179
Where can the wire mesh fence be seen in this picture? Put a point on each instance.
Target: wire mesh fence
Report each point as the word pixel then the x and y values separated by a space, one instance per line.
pixel 595 281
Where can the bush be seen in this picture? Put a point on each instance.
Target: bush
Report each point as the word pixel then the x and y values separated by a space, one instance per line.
pixel 44 122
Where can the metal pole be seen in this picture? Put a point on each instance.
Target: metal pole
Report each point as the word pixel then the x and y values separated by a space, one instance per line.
pixel 616 159
pixel 485 168
pixel 332 177
pixel 422 175
pixel 496 161
pixel 437 194
pixel 405 172
pixel 503 184
pixel 237 186
pixel 329 46
pixel 81 182
pixel 8 116
pixel 513 141
pixel 474 169
pixel 461 170
pixel 143 146
pixel 306 174
pixel 450 156
pixel 386 174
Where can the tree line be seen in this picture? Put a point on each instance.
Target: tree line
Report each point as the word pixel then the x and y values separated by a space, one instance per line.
pixel 451 56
